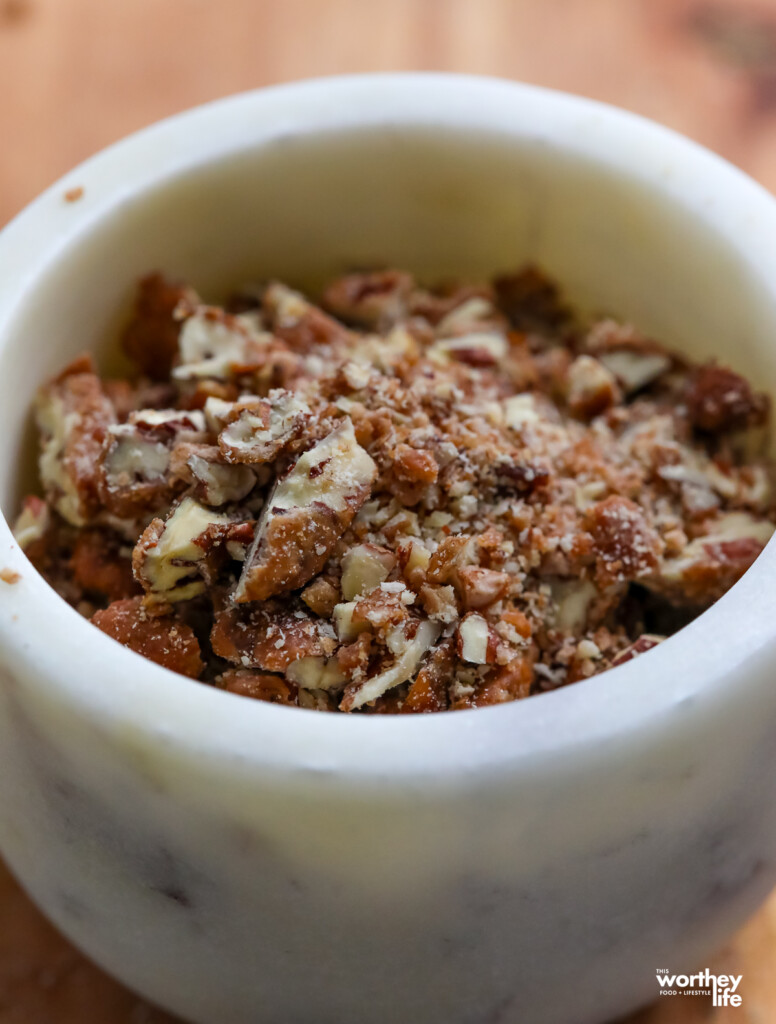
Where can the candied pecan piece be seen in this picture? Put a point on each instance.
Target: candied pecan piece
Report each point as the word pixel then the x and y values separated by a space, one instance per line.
pixel 524 476
pixel 299 324
pixel 163 639
pixel 711 564
pixel 481 349
pixel 592 388
pixel 73 416
pixel 636 361
pixel 479 588
pixel 429 690
pixel 259 686
pixel 316 672
pixel 135 478
pixel 476 642
pixel 151 337
pixel 625 546
pixel 32 524
pixel 353 658
pixel 365 567
pixel 445 306
pixel 408 644
pixel 99 567
pixel 259 429
pixel 720 400
pixel 214 481
pixel 413 471
pixel 306 515
pixel 503 683
pixel 373 299
pixel 530 300
pixel 270 636
pixel 452 553
pixel 384 606
pixel 321 596
pixel 644 643
pixel 214 344
pixel 169 557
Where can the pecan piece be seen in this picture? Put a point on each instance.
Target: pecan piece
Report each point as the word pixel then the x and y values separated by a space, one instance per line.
pixel 410 644
pixel 257 430
pixel 270 637
pixel 162 639
pixel 644 643
pixel 135 479
pixel 711 564
pixel 625 546
pixel 365 567
pixel 375 299
pixel 476 642
pixel 99 567
pixel 73 415
pixel 592 388
pixel 306 515
pixel 264 686
pixel 168 559
pixel 215 344
pixel 720 400
pixel 429 690
pixel 151 338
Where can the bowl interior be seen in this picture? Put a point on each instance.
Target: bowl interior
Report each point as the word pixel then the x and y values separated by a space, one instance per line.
pixel 438 201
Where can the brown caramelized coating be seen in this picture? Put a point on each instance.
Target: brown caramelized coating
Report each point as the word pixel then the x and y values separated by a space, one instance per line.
pixel 163 639
pixel 99 566
pixel 259 686
pixel 720 400
pixel 151 337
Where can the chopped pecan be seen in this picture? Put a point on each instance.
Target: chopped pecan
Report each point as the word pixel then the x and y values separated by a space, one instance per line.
pixel 270 637
pixel 73 416
pixel 163 639
pixel 365 567
pixel 135 479
pixel 306 514
pixel 374 299
pixel 592 388
pixel 506 683
pixel 626 547
pixel 259 686
pixel 476 642
pixel 168 559
pixel 321 596
pixel 299 324
pixel 412 472
pixel 720 400
pixel 531 300
pixel 644 643
pixel 216 344
pixel 479 588
pixel 99 566
pixel 151 338
pixel 32 523
pixel 259 429
pixel 711 564
pixel 215 482
pixel 411 641
pixel 428 692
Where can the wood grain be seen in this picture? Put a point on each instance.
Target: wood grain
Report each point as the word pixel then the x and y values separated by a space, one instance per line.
pixel 76 75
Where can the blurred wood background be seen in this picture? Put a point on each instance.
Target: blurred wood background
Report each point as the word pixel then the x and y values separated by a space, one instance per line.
pixel 75 75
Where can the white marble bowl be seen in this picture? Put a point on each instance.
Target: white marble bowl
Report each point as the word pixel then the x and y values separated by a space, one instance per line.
pixel 243 863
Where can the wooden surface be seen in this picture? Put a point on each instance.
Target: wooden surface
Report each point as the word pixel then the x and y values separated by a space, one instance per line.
pixel 77 74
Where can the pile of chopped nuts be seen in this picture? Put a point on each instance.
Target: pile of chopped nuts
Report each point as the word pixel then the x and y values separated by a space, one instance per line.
pixel 400 499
